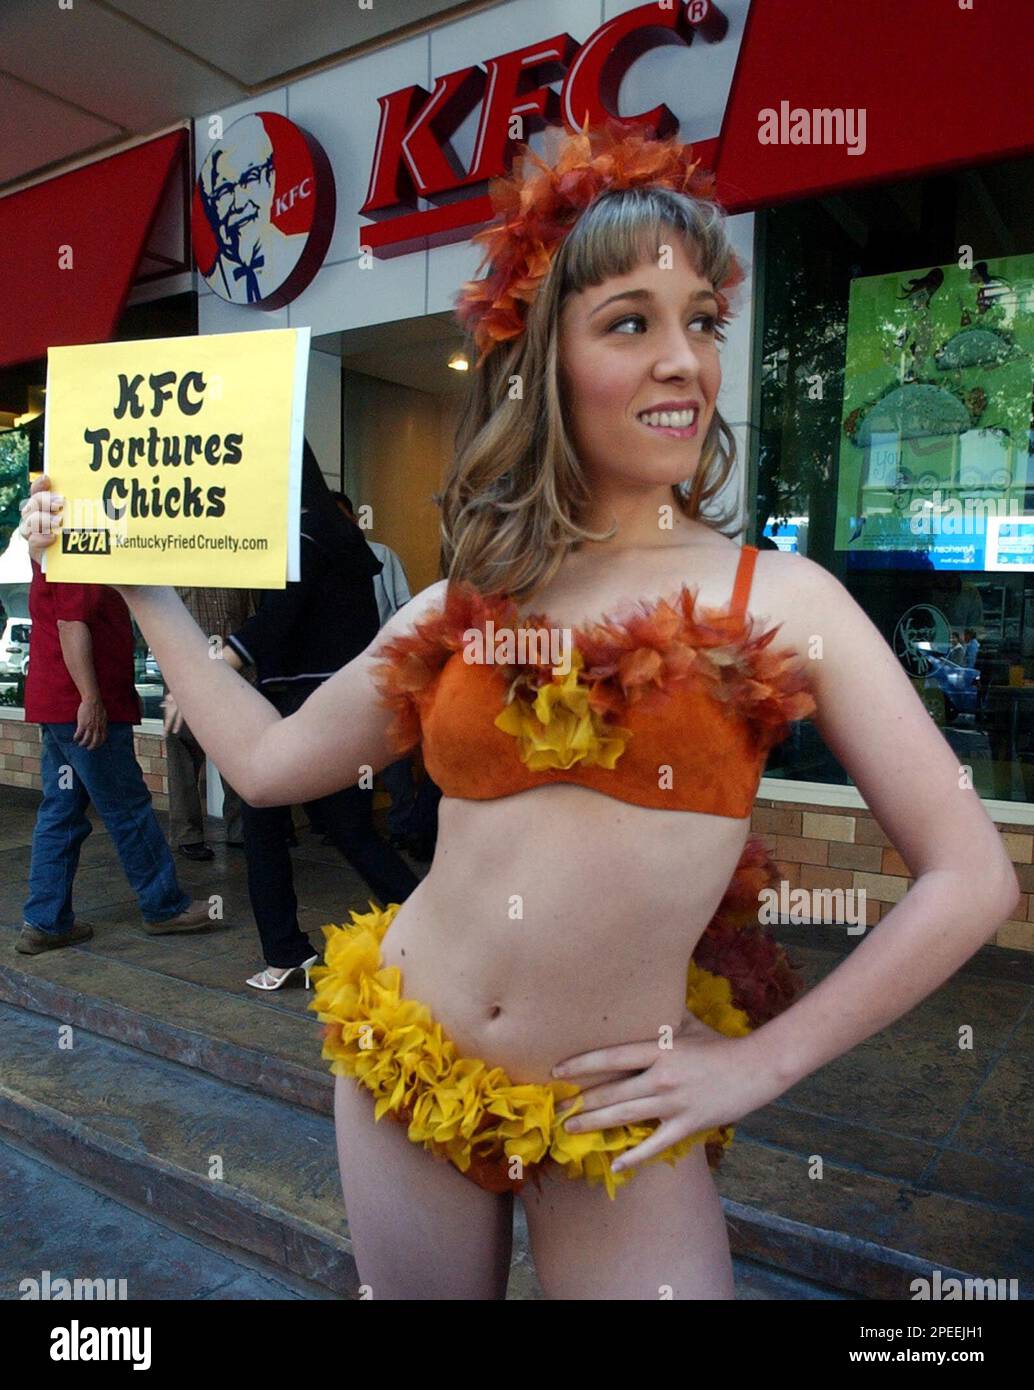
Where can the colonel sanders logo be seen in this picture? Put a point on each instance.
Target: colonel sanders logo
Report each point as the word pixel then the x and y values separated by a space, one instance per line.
pixel 263 211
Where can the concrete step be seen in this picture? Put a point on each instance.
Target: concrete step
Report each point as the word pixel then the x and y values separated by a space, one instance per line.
pixel 58 1227
pixel 864 1233
pixel 251 1171
pixel 267 1043
pixel 105 1169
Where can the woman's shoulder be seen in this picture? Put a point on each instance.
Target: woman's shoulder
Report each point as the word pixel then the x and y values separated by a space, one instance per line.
pixel 423 603
pixel 786 574
pixel 426 604
pixel 799 595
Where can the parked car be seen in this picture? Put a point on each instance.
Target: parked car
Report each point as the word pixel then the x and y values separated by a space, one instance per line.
pixel 14 647
pixel 145 669
pixel 960 685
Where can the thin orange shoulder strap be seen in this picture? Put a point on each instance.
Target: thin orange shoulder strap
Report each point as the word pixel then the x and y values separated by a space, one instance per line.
pixel 744 579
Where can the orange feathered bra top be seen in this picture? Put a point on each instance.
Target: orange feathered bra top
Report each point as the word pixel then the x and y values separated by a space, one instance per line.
pixel 674 706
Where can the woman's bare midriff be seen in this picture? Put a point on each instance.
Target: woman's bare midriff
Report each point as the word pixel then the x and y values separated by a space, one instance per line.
pixel 560 920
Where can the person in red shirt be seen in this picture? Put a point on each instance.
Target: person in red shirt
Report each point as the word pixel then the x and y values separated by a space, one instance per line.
pixel 80 690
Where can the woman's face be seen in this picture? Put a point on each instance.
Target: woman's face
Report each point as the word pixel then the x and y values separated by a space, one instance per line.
pixel 630 347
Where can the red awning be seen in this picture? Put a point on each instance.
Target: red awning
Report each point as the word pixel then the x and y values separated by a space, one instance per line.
pixel 69 248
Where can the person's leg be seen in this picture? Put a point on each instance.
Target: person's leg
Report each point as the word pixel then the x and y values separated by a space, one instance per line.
pixel 662 1236
pixel 346 818
pixel 423 823
pixel 271 885
pixel 419 1228
pixel 233 823
pixel 398 783
pixel 61 828
pixel 186 815
pixel 115 785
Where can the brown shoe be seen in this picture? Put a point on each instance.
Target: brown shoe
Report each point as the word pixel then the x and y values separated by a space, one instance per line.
pixel 33 942
pixel 195 918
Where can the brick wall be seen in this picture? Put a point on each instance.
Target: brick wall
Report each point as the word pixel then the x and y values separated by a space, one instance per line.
pixel 843 847
pixel 19 759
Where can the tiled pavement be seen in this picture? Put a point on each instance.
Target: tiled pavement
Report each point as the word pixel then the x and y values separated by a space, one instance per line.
pixel 927 1150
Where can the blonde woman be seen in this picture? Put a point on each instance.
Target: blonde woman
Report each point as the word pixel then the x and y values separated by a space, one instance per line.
pixel 593 897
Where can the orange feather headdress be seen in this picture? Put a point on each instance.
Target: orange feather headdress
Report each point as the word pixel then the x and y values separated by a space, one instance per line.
pixel 538 204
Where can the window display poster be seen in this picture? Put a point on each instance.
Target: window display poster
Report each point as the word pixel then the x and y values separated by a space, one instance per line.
pixel 179 459
pixel 936 425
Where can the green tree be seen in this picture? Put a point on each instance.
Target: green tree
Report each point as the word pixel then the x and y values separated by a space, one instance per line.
pixel 14 482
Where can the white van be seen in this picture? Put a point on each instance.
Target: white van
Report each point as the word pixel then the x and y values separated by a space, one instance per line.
pixel 14 647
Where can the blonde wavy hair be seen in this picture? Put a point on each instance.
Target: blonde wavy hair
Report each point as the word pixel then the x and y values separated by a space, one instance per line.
pixel 511 502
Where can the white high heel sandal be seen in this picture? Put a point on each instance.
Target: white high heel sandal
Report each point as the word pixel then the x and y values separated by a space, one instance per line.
pixel 265 980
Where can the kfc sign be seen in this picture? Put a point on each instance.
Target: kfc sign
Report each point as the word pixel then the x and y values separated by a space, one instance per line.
pixel 413 158
pixel 263 211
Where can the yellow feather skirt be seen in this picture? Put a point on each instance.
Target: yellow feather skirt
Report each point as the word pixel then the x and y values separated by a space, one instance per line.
pixel 495 1131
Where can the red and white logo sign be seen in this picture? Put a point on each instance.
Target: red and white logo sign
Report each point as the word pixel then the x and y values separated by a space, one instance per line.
pixel 413 158
pixel 263 211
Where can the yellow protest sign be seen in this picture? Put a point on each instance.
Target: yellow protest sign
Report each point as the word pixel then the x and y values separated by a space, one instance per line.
pixel 179 459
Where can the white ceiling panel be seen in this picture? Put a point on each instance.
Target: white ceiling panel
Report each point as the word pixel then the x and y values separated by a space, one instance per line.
pixel 98 62
pixel 104 70
pixel 41 129
pixel 258 40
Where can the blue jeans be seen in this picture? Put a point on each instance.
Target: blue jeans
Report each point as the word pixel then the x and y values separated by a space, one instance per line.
pixel 110 777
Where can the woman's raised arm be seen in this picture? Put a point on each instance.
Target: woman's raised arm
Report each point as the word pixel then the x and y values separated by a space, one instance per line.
pixel 340 730
pixel 325 745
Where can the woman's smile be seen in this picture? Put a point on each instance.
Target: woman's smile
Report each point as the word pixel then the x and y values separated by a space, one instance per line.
pixel 679 423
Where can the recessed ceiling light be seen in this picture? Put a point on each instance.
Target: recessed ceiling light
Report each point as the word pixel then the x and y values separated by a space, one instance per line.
pixel 459 363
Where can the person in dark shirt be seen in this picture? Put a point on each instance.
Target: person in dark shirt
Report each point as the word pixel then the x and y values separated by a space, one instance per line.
pixel 80 691
pixel 298 637
pixel 413 814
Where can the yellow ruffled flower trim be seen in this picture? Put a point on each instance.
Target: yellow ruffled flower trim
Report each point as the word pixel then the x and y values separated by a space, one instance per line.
pixel 559 728
pixel 459 1107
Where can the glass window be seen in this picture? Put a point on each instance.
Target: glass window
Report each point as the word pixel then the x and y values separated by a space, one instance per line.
pixel 147 677
pixel 896 441
pixel 14 576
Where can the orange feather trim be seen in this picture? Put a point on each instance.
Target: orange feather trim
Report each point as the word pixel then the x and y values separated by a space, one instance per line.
pixel 763 978
pixel 658 645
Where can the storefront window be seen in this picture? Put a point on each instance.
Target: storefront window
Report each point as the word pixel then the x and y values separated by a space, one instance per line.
pixel 14 627
pixel 895 445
